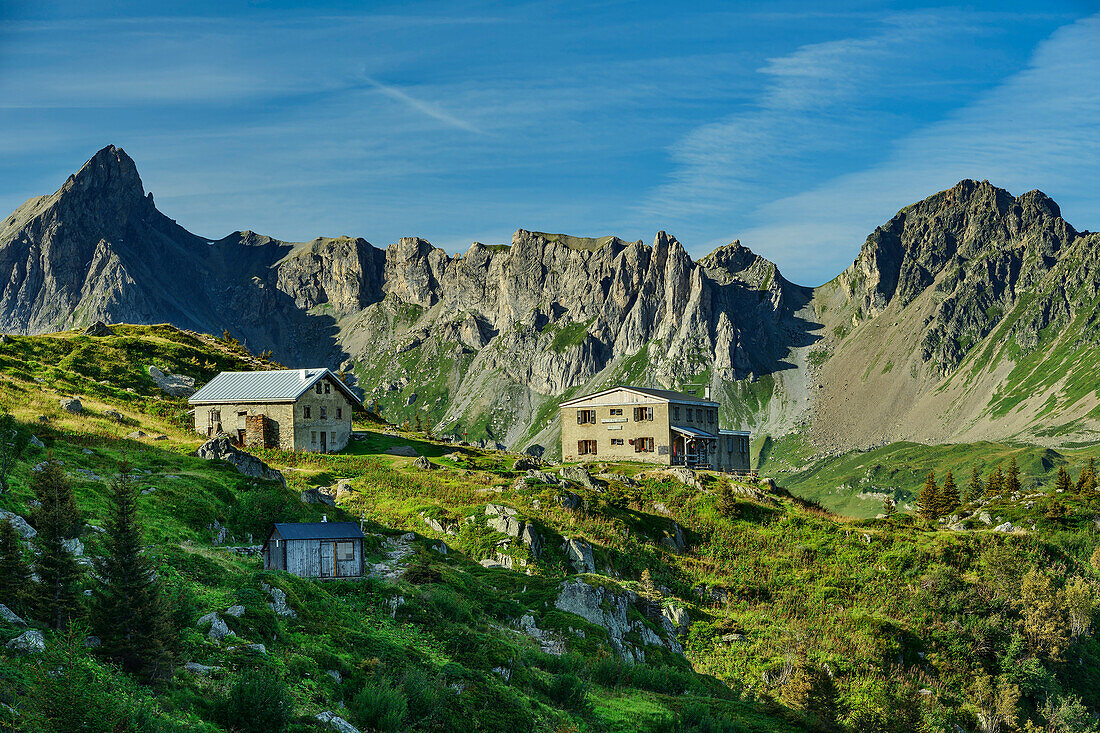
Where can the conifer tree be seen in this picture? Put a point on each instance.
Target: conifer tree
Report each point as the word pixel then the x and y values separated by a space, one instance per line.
pixel 889 507
pixel 928 502
pixel 129 614
pixel 1086 482
pixel 13 443
pixel 57 519
pixel 1012 477
pixel 994 482
pixel 15 574
pixel 1063 484
pixel 975 488
pixel 949 495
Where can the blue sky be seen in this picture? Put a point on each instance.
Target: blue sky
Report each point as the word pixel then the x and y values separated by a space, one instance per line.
pixel 794 129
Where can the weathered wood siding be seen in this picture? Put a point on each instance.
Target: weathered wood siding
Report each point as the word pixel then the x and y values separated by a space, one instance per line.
pixel 306 558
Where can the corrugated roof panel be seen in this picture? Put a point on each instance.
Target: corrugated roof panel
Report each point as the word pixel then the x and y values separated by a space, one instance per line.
pixel 318 530
pixel 279 385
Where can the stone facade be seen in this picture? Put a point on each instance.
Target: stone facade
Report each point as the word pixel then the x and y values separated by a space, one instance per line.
pixel 625 424
pixel 314 422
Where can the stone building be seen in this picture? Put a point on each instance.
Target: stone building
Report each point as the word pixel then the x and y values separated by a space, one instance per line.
pixel 651 425
pixel 292 409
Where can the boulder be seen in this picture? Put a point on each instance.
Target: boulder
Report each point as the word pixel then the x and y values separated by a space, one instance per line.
pixel 570 501
pixel 316 496
pixel 579 475
pixel 36 442
pixel 222 449
pixel 114 415
pixel 136 435
pixel 74 546
pixel 402 450
pixel 99 328
pixel 161 437
pixel 984 518
pixel 674 538
pixel 541 476
pixel 278 601
pixel 218 630
pixel 1006 527
pixel 71 405
pixel 503 519
pixel 423 464
pixel 331 721
pixel 685 476
pixel 201 669
pixel 29 642
pixel 580 555
pixel 530 537
pixel 10 616
pixel 675 619
pixel 257 649
pixel 235 611
pixel 20 525
pixel 524 464
pixel 92 642
pixel 173 385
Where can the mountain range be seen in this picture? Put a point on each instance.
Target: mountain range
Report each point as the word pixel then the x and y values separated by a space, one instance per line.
pixel 970 315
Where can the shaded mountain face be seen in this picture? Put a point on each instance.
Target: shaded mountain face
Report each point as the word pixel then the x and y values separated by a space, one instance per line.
pixel 945 326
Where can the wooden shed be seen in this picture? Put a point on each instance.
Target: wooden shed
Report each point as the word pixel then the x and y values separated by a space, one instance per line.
pixel 316 549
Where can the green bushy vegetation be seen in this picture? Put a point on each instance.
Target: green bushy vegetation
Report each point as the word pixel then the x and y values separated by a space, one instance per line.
pixel 799 619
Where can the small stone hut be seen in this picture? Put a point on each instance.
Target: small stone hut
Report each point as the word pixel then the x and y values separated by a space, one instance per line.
pixel 292 409
pixel 326 550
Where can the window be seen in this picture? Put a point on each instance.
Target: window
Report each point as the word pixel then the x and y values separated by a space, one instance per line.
pixel 307 412
pixel 318 388
pixel 643 445
pixel 586 447
pixel 744 444
pixel 313 437
pixel 699 415
pixel 712 415
pixel 586 416
pixel 339 413
pixel 643 413
pixel 616 441
pixel 345 551
pixel 729 444
pixel 327 387
pixel 675 413
pixel 324 412
pixel 616 411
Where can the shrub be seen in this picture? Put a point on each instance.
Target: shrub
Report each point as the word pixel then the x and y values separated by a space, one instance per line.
pixel 379 706
pixel 569 691
pixel 257 702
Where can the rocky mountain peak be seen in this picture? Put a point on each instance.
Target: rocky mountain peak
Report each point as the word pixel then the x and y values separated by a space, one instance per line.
pixel 110 173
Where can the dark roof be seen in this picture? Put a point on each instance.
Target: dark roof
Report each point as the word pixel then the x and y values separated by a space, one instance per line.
pixel 661 394
pixel 318 530
pixel 274 385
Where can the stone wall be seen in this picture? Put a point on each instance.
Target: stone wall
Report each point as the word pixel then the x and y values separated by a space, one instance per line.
pixel 619 427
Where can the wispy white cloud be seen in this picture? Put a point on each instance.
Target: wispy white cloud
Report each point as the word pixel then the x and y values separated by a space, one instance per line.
pixel 431 110
pixel 1040 128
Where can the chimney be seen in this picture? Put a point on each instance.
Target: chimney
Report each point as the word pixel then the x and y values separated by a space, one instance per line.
pixel 324 517
pixel 302 374
pixel 706 393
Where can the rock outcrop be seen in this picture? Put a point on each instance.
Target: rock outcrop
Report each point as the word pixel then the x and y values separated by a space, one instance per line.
pixel 173 385
pixel 609 608
pixel 222 449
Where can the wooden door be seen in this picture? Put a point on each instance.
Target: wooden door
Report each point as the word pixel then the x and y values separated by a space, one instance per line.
pixel 324 437
pixel 328 559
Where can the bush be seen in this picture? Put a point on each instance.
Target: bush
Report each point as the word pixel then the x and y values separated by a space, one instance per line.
pixel 258 702
pixel 608 671
pixel 380 706
pixel 569 691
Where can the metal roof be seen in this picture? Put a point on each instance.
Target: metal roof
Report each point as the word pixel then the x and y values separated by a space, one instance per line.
pixel 278 385
pixel 692 432
pixel 661 394
pixel 733 432
pixel 318 530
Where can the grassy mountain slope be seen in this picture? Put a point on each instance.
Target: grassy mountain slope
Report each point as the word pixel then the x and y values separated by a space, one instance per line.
pixel 899 618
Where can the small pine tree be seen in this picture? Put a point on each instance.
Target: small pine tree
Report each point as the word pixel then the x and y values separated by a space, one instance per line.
pixel 128 611
pixel 649 590
pixel 995 482
pixel 974 488
pixel 1056 511
pixel 1063 484
pixel 889 507
pixel 727 501
pixel 928 502
pixel 15 574
pixel 57 519
pixel 13 443
pixel 949 495
pixel 419 425
pixel 1086 482
pixel 1012 477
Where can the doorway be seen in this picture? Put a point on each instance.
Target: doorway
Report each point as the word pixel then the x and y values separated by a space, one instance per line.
pixel 324 442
